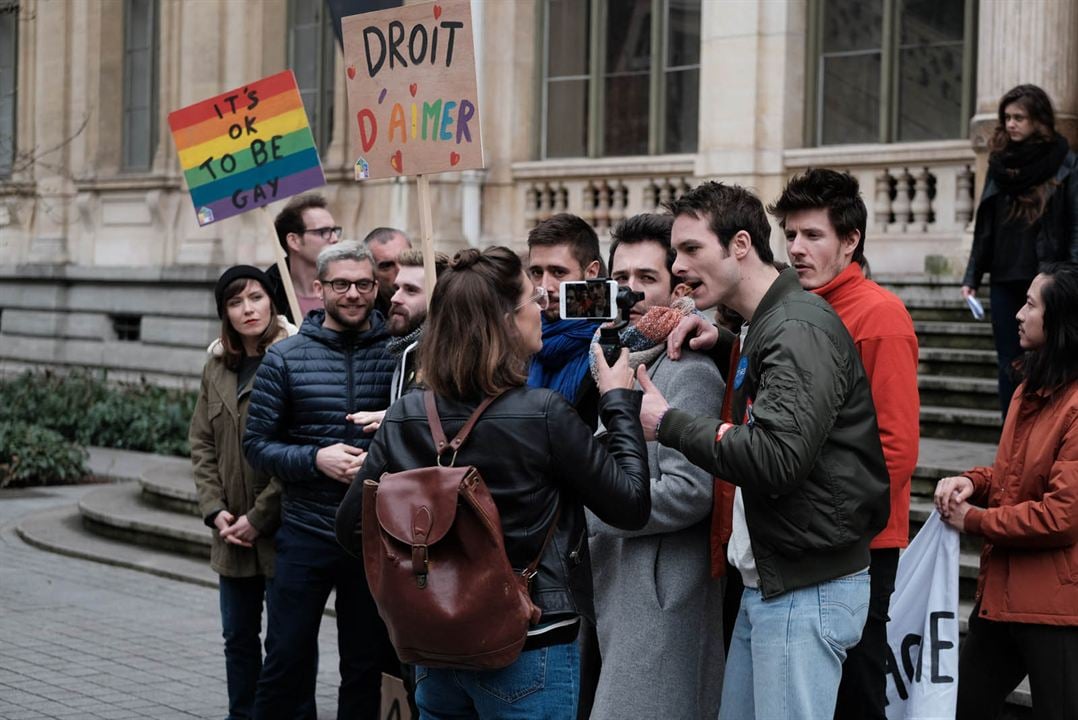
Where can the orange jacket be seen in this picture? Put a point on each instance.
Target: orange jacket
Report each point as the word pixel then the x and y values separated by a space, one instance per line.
pixel 883 333
pixel 1029 564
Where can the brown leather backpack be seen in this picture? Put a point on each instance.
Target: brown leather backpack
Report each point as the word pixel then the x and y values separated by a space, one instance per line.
pixel 436 562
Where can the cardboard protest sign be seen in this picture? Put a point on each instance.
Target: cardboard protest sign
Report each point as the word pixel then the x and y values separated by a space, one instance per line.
pixel 414 108
pixel 246 148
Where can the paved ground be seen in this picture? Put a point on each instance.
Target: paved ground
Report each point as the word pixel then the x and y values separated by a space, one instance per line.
pixel 83 640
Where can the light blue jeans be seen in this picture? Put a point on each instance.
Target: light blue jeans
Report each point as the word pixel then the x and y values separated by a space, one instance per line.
pixel 785 659
pixel 542 683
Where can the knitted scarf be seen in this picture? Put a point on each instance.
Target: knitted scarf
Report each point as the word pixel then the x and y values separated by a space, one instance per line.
pixel 397 345
pixel 562 362
pixel 1022 166
pixel 646 339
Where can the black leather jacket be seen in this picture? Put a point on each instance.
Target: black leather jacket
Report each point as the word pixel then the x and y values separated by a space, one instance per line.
pixel 533 452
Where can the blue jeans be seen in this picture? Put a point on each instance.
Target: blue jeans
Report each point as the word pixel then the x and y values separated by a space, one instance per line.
pixel 308 566
pixel 786 654
pixel 241 625
pixel 542 683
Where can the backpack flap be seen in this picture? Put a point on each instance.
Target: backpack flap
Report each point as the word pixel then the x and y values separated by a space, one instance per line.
pixel 417 508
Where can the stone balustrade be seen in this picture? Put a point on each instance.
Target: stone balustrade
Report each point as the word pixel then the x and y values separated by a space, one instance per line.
pixel 602 191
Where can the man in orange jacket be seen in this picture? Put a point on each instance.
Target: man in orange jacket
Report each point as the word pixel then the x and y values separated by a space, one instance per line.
pixel 824 219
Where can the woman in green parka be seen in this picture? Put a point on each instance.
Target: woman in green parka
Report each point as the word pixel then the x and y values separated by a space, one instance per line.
pixel 240 505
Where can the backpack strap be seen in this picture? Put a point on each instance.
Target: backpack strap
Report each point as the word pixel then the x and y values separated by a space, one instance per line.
pixel 440 443
pixel 533 569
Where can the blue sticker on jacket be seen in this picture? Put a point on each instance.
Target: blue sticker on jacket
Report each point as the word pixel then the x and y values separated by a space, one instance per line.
pixel 742 366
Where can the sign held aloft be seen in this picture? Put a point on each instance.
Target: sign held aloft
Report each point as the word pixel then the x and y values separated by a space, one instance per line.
pixel 246 148
pixel 412 90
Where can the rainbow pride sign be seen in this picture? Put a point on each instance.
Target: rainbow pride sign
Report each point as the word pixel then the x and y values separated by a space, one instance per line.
pixel 246 148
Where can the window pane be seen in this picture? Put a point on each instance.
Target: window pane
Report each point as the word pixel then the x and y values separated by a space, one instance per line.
pixel 567 118
pixel 852 25
pixel 311 44
pixel 683 36
pixel 850 91
pixel 625 126
pixel 930 93
pixel 306 13
pixel 628 37
pixel 932 21
pixel 682 110
pixel 305 56
pixel 9 28
pixel 140 86
pixel 567 37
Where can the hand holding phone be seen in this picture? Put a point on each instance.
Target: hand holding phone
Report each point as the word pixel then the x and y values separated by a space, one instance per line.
pixel 588 300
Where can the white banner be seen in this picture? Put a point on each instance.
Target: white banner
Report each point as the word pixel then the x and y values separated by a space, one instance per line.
pixel 922 677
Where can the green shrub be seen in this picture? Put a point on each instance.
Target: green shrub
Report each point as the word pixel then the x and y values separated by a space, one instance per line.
pixel 82 407
pixel 34 455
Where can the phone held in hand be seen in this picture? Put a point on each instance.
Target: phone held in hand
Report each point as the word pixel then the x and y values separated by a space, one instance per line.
pixel 588 300
pixel 975 307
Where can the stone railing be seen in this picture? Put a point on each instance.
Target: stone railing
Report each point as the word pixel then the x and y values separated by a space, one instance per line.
pixel 920 198
pixel 602 191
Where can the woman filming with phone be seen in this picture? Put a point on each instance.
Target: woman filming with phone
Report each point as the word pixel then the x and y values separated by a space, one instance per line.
pixel 541 464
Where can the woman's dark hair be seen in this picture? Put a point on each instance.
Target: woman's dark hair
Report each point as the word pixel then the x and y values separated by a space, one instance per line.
pixel 1028 206
pixel 231 340
pixel 470 346
pixel 1055 365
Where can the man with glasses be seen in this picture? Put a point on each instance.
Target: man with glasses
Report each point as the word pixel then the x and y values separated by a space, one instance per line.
pixel 298 431
pixel 304 228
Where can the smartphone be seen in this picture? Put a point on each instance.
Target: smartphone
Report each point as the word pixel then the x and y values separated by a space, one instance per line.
pixel 589 300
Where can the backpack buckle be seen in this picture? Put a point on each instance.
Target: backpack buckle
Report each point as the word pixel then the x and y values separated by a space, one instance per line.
pixel 452 461
pixel 420 564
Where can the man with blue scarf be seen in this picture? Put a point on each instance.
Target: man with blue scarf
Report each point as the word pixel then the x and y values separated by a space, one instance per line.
pixel 564 248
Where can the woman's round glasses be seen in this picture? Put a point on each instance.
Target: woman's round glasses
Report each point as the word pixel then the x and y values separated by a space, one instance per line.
pixel 539 297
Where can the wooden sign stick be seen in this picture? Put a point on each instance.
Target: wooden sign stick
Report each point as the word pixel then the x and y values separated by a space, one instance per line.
pixel 286 276
pixel 426 235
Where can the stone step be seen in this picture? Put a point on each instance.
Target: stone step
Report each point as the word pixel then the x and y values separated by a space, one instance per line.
pixel 61 530
pixel 959 392
pixel 120 512
pixel 941 458
pixel 960 424
pixel 954 334
pixel 170 486
pixel 958 361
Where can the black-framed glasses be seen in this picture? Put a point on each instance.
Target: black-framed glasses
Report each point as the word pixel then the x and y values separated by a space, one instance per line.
pixel 341 286
pixel 326 232
pixel 539 297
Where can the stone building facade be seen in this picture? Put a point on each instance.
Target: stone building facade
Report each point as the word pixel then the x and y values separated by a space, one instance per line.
pixel 599 107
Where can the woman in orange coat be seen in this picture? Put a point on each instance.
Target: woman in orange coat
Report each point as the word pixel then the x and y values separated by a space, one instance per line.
pixel 1025 620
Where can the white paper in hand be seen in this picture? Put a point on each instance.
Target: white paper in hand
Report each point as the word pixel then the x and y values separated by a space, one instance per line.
pixel 922 678
pixel 975 307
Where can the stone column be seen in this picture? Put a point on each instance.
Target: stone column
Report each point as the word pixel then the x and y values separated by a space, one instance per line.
pixel 1025 41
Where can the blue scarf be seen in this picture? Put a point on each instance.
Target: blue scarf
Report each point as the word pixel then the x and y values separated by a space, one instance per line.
pixel 563 361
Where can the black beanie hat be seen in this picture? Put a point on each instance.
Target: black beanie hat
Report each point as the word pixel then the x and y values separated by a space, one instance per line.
pixel 235 273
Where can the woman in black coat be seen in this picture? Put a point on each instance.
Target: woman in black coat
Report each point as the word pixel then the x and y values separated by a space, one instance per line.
pixel 1028 215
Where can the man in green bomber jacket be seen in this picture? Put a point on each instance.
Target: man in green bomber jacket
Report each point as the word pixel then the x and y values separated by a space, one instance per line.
pixel 805 455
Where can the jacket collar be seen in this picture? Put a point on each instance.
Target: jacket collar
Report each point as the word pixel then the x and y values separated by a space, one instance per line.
pixel 852 275
pixel 314 328
pixel 785 284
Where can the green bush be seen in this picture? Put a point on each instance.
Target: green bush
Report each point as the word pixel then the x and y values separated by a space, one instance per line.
pixel 82 407
pixel 34 455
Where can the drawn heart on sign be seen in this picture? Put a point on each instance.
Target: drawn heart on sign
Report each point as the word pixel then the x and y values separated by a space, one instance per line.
pixel 454 158
pixel 351 72
pixel 397 161
pixel 437 11
pixel 412 89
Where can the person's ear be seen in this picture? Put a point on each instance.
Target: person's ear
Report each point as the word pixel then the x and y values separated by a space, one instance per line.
pixel 294 240
pixel 319 288
pixel 592 270
pixel 740 244
pixel 849 243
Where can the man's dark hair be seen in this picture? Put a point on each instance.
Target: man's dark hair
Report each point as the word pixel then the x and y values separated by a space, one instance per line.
pixel 290 220
pixel 413 257
pixel 839 192
pixel 645 227
pixel 727 209
pixel 567 229
pixel 383 235
pixel 1055 365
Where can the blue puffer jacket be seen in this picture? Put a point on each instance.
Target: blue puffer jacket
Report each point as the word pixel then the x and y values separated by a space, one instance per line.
pixel 304 388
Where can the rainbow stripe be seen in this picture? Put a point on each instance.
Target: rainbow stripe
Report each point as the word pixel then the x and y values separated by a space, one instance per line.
pixel 257 153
